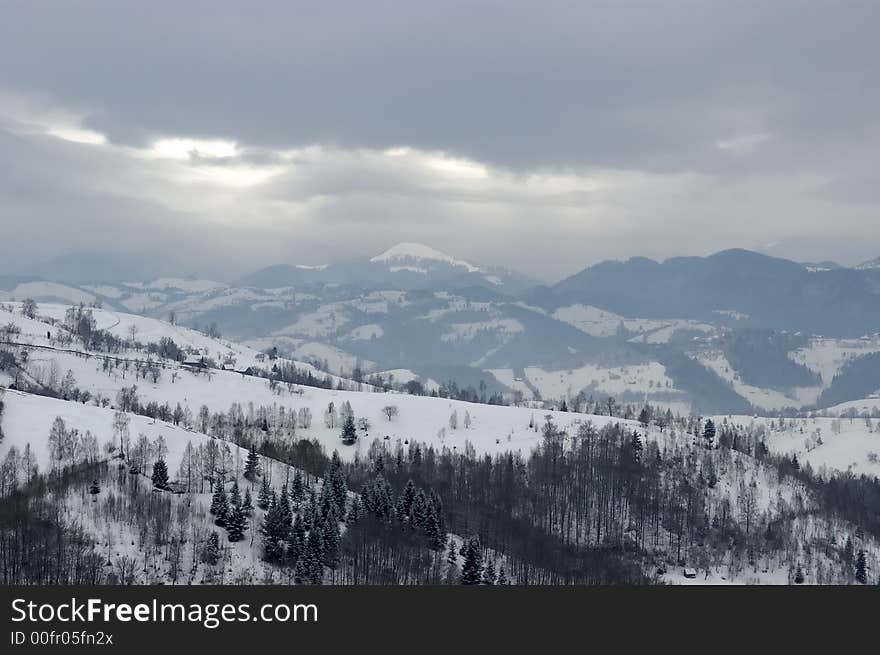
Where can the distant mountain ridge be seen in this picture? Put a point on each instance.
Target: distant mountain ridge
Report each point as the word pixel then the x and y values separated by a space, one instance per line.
pixel 772 292
pixel 403 266
pixel 718 333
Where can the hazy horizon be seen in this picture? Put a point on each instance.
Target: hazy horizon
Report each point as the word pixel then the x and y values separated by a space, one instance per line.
pixel 119 269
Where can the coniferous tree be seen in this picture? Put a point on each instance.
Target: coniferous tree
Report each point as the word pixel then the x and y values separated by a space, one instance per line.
pixel 271 531
pixel 220 504
pixel 489 574
pixel 799 575
pixel 160 474
pixel 247 504
pixel 315 555
pixel 236 524
pixel 435 500
pixel 308 511
pixel 297 541
pixel 252 465
pixel 418 514
pixel 354 511
pixel 710 473
pixel 709 433
pixel 236 520
pixel 404 505
pixel 297 489
pixel 265 495
pixel 326 502
pixel 339 488
pixel 861 568
pixel 848 553
pixel 645 417
pixel 635 448
pixel 211 553
pixel 436 539
pixel 472 567
pixel 330 541
pixel 235 495
pixel 502 576
pixel 284 513
pixel 451 556
pixel 349 432
pixel 303 568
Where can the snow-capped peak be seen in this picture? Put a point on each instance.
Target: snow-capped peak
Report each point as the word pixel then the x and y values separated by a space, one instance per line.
pixel 418 251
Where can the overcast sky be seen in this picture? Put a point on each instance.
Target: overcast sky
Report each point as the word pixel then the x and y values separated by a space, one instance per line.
pixel 213 138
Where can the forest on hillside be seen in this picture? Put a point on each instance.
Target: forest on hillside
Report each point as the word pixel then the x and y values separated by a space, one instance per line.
pixel 597 506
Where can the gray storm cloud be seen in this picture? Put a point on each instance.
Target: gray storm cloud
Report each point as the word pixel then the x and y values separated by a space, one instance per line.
pixel 290 133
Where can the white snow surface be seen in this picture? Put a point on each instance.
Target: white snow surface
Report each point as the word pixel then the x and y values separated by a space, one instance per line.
pixel 828 356
pixel 146 330
pixel 603 323
pixel 639 378
pixel 768 399
pixel 416 251
pixel 847 444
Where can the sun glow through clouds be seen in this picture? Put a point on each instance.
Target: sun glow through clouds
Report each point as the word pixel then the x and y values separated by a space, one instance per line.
pixel 179 148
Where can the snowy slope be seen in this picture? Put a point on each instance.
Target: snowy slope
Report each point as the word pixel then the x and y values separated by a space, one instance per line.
pixel 834 444
pixel 768 399
pixel 640 379
pixel 845 444
pixel 425 419
pixel 28 419
pixel 602 323
pixel 828 356
pixel 146 330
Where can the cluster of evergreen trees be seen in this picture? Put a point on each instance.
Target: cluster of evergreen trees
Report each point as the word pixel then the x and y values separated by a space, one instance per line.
pixel 232 512
pixel 473 571
pixel 414 510
pixel 301 528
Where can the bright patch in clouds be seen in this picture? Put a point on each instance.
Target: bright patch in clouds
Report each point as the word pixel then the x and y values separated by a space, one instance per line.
pixel 238 176
pixel 180 148
pixel 25 115
pixel 76 134
pixel 457 168
pixel 440 162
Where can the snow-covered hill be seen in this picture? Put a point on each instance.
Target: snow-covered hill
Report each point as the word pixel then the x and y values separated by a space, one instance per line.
pixel 90 384
pixel 445 319
pixel 421 418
